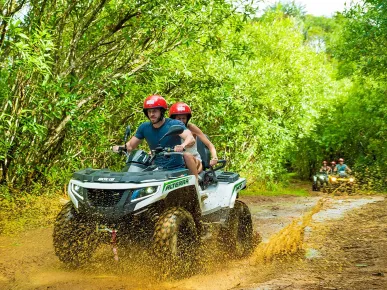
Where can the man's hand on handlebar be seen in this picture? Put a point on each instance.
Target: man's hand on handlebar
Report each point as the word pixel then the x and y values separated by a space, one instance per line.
pixel 118 149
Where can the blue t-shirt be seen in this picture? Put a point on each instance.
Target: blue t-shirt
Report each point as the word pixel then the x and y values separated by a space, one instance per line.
pixel 341 167
pixel 153 135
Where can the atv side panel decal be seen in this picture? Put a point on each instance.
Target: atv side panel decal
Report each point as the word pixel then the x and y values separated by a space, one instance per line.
pixel 170 185
pixel 238 187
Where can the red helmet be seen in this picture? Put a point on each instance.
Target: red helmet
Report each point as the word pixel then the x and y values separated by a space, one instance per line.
pixel 333 163
pixel 341 160
pixel 180 108
pixel 153 102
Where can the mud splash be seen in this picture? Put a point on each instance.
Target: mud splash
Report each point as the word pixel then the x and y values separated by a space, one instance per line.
pixel 288 241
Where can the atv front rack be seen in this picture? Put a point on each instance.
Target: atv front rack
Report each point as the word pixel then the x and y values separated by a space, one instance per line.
pixel 228 177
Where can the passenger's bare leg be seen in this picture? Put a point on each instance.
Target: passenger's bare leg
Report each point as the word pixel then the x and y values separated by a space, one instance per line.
pixel 189 160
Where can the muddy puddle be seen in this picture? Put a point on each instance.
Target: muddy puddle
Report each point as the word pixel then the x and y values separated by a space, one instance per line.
pixel 27 261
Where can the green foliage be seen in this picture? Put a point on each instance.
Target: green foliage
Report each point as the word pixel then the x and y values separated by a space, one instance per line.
pixel 68 69
pixel 259 91
pixel 363 37
pixel 290 186
pixel 74 74
pixel 81 70
pixel 288 9
pixel 355 127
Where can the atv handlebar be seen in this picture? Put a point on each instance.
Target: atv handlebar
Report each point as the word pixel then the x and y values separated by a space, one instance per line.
pixel 220 164
pixel 122 149
pixel 164 151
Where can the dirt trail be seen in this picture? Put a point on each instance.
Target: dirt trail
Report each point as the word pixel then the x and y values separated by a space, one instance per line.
pixel 27 261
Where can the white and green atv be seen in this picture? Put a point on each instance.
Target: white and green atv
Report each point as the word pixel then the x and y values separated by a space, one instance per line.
pixel 166 211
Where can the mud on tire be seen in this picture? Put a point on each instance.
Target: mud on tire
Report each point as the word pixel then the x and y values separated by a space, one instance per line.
pixel 237 239
pixel 175 242
pixel 75 240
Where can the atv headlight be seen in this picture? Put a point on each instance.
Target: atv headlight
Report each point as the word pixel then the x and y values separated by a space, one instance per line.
pixel 321 177
pixel 143 192
pixel 77 190
pixel 334 179
pixel 351 179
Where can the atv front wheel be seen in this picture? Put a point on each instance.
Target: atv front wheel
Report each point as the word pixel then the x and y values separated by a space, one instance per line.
pixel 318 185
pixel 175 241
pixel 75 240
pixel 238 239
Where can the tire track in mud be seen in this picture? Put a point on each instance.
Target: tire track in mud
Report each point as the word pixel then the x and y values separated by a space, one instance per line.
pixel 27 261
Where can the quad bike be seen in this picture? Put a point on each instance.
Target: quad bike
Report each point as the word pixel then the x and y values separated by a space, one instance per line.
pixel 167 211
pixel 320 181
pixel 341 182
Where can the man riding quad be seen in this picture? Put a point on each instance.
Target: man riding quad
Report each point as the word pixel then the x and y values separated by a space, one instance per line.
pixel 321 178
pixel 154 108
pixel 343 181
pixel 342 168
pixel 155 202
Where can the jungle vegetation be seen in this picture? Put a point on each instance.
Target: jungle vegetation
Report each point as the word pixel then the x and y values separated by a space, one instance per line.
pixel 275 90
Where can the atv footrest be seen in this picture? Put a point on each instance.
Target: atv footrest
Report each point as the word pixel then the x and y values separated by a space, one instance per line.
pixel 228 177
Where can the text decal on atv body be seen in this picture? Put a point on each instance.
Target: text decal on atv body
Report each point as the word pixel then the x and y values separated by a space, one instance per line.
pixel 237 187
pixel 106 179
pixel 175 184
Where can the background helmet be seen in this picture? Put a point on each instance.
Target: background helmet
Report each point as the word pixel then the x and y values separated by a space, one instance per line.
pixel 154 102
pixel 325 162
pixel 180 108
pixel 333 163
pixel 341 160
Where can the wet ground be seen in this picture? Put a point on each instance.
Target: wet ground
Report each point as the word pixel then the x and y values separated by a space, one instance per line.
pixel 344 247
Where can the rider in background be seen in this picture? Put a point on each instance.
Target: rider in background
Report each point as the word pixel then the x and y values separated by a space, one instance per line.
pixel 325 168
pixel 182 112
pixel 333 165
pixel 342 168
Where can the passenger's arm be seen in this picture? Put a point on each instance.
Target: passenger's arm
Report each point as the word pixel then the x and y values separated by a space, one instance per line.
pixel 199 133
pixel 189 140
pixel 349 169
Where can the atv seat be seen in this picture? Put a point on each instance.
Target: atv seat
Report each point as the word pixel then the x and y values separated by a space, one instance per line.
pixel 207 176
pixel 204 153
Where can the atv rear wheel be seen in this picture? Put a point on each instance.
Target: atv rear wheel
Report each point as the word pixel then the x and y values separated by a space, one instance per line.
pixel 75 240
pixel 238 239
pixel 175 242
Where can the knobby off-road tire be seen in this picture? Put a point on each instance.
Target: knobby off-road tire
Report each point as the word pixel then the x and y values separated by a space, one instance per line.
pixel 75 239
pixel 175 242
pixel 319 185
pixel 237 239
